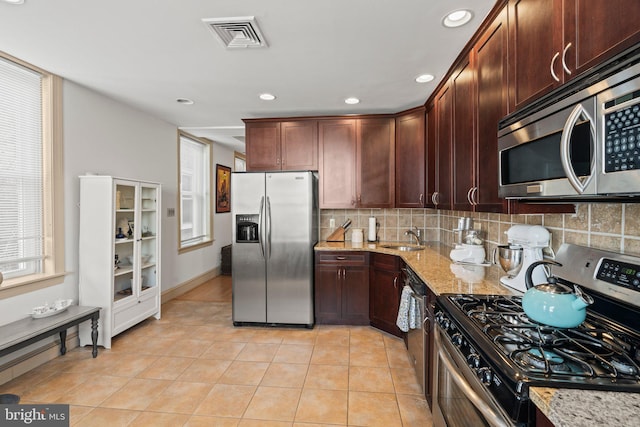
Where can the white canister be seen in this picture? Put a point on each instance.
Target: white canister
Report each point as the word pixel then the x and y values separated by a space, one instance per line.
pixel 356 235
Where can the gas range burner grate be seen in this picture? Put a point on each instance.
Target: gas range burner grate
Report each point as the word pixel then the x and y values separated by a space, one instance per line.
pixel 591 351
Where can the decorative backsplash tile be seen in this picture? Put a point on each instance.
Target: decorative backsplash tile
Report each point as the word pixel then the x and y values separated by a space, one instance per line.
pixel 608 226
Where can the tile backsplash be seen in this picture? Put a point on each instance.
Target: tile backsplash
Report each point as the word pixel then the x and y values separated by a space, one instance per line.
pixel 609 226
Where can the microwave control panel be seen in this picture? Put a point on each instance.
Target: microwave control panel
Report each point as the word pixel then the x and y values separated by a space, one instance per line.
pixel 622 134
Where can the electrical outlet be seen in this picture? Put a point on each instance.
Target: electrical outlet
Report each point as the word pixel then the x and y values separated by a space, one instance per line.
pixel 332 223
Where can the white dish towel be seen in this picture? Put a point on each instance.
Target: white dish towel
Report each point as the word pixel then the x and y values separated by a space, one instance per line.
pixel 407 313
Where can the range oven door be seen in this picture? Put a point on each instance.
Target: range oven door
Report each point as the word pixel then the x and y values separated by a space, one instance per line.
pixel 551 154
pixel 459 399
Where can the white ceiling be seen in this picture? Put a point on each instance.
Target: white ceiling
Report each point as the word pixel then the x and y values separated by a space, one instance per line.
pixel 148 53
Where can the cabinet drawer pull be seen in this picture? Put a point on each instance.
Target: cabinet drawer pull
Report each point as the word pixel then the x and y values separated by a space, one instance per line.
pixel 341 258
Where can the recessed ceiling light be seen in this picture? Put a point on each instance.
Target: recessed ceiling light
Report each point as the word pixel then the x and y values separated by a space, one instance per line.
pixel 267 97
pixel 457 18
pixel 14 1
pixel 424 78
pixel 184 101
pixel 351 100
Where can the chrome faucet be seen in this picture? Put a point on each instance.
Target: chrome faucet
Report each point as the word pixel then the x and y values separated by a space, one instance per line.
pixel 415 234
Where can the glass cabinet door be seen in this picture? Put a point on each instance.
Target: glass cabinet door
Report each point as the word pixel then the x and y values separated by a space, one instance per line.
pixel 148 231
pixel 124 240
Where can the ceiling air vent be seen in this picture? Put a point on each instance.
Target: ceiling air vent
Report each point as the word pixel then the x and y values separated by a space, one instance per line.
pixel 241 32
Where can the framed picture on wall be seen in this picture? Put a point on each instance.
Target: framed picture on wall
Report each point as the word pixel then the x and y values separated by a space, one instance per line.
pixel 223 189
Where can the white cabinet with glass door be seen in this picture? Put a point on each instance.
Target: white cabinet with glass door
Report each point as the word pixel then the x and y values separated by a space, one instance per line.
pixel 119 260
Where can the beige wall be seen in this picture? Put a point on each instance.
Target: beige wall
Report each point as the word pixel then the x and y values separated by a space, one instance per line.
pixel 609 226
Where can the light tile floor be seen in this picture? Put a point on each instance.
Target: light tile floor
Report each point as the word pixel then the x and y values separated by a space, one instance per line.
pixel 194 368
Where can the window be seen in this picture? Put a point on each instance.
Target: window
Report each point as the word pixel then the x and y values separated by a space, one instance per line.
pixel 195 192
pixel 239 162
pixel 31 223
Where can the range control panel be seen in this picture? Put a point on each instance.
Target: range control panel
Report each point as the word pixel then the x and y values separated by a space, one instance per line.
pixel 619 273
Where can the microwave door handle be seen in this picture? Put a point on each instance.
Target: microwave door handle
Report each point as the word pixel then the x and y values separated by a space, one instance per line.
pixel 565 148
pixel 490 415
pixel 261 228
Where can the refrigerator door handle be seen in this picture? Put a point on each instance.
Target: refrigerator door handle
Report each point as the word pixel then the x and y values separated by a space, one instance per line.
pixel 260 229
pixel 268 226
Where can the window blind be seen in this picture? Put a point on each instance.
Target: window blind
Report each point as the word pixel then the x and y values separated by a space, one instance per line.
pixel 21 187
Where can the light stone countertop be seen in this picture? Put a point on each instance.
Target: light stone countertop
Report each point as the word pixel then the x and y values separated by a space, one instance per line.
pixel 563 407
pixel 435 268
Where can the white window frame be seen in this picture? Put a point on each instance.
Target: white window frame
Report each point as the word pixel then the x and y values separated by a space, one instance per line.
pixel 202 195
pixel 52 270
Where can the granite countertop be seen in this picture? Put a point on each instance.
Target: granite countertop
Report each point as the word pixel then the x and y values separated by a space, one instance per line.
pixel 435 268
pixel 563 407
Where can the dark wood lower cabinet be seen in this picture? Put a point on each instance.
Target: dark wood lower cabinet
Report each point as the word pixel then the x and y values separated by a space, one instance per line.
pixel 342 288
pixel 385 288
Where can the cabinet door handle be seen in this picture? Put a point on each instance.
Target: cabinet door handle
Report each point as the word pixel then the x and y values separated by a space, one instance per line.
pixel 435 197
pixel 395 282
pixel 474 196
pixel 564 62
pixel 469 196
pixel 553 61
pixel 421 199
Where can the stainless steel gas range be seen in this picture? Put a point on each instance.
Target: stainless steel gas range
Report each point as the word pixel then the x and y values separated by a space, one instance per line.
pixel 488 352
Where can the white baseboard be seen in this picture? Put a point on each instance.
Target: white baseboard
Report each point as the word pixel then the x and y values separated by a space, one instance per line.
pixel 190 284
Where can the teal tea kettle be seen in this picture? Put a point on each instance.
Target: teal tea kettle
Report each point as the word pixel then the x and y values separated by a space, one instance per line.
pixel 553 303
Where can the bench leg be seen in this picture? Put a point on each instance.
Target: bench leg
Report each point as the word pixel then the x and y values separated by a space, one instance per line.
pixel 63 342
pixel 94 335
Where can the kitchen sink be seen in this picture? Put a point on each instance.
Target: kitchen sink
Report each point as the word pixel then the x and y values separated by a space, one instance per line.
pixel 403 248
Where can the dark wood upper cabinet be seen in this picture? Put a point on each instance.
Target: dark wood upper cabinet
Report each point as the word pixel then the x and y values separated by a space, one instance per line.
pixel 553 41
pixel 442 194
pixel 431 117
pixel 376 163
pixel 410 159
pixel 357 163
pixel 463 143
pixel 275 145
pixel 262 146
pixel 490 58
pixel 337 163
pixel 299 145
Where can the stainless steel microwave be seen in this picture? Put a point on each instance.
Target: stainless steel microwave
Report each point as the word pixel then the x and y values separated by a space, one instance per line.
pixel 581 142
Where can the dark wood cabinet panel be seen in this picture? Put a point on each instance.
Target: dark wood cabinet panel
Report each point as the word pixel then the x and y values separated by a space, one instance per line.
pixel 384 292
pixel 342 288
pixel 273 145
pixel 490 58
pixel 463 142
pixel 534 41
pixel 356 163
pixel 337 160
pixel 355 295
pixel 431 155
pixel 444 137
pixel 553 41
pixel 328 294
pixel 299 145
pixel 597 30
pixel 376 163
pixel 410 159
pixel 262 146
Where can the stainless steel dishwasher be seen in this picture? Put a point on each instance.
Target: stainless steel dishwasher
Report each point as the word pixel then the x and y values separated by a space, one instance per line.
pixel 416 338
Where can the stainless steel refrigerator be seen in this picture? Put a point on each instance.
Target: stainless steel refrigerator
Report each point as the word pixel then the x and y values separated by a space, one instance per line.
pixel 275 226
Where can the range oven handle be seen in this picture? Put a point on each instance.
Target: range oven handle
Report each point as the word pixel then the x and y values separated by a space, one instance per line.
pixel 565 148
pixel 490 415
